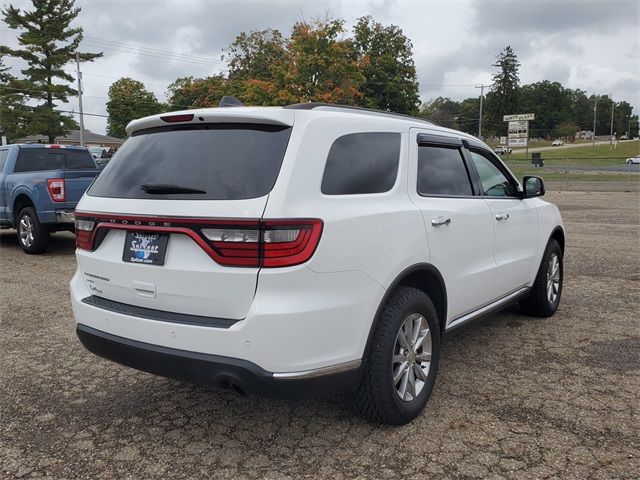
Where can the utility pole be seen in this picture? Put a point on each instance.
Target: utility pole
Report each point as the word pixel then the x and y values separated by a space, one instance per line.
pixel 481 87
pixel 595 110
pixel 79 74
pixel 613 105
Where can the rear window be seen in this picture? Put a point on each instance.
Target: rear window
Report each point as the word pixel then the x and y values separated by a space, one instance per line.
pixel 79 159
pixel 225 161
pixel 38 159
pixel 441 171
pixel 41 159
pixel 361 163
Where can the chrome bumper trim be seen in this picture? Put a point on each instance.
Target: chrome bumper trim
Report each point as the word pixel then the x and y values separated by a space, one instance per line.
pixel 319 372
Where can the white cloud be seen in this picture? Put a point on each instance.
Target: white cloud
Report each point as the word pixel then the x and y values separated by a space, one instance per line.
pixel 587 44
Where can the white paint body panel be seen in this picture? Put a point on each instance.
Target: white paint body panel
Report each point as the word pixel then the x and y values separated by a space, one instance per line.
pixel 320 313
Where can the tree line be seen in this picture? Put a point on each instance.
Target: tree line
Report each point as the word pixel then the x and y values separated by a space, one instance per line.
pixel 370 65
pixel 560 111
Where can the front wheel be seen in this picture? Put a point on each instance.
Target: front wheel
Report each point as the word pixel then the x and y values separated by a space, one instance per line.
pixel 32 235
pixel 545 294
pixel 400 370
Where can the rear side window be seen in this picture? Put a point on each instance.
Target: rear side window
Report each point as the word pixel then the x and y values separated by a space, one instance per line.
pixel 78 159
pixel 3 158
pixel 441 171
pixel 362 163
pixel 39 159
pixel 225 161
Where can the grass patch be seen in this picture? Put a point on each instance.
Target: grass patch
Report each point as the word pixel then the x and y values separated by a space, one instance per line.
pixel 600 155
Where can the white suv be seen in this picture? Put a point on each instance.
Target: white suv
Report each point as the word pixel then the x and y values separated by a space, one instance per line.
pixel 304 250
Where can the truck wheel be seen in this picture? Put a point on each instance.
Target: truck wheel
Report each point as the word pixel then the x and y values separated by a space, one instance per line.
pixel 400 369
pixel 547 288
pixel 32 235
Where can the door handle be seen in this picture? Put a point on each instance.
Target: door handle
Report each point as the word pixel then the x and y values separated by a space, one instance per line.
pixel 502 216
pixel 438 222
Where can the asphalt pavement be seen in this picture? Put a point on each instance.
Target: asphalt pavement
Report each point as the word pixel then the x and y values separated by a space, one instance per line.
pixel 516 397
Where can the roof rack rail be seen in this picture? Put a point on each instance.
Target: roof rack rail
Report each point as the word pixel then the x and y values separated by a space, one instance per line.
pixel 312 105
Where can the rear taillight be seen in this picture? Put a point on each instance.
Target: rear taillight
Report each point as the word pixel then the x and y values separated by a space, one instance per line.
pixel 84 233
pixel 268 243
pixel 55 186
pixel 236 243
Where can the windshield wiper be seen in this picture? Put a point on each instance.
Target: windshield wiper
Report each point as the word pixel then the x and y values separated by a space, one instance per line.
pixel 167 189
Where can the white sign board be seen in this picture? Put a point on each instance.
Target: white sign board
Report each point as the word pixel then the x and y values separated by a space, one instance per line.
pixel 503 140
pixel 4 140
pixel 519 116
pixel 518 133
pixel 517 142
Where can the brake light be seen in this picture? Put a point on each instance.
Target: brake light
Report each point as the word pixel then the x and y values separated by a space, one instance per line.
pixel 177 118
pixel 55 186
pixel 270 243
pixel 238 243
pixel 54 146
pixel 84 233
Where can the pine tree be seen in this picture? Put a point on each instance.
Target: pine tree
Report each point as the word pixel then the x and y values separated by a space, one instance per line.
pixel 503 95
pixel 47 43
pixel 13 111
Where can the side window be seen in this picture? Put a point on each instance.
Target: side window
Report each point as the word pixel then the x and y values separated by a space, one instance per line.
pixel 362 163
pixel 441 171
pixel 77 159
pixel 494 182
pixel 3 158
pixel 38 159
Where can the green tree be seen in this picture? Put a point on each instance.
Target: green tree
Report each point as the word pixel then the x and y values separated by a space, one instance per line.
pixel 551 103
pixel 189 92
pixel 502 98
pixel 468 116
pixel 322 65
pixel 14 114
pixel 581 109
pixel 256 55
pixel 128 100
pixel 386 61
pixel 442 111
pixel 47 43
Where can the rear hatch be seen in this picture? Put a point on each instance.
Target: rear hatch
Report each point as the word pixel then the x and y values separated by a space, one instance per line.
pixel 172 222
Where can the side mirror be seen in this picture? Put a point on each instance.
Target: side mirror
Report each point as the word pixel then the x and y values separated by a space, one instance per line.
pixel 533 186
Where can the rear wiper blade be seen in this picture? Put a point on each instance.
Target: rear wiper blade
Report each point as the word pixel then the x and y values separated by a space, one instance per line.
pixel 162 188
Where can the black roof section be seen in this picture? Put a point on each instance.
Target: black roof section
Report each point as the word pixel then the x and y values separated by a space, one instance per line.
pixel 312 105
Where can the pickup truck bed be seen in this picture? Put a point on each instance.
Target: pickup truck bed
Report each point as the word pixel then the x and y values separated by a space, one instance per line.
pixel 40 186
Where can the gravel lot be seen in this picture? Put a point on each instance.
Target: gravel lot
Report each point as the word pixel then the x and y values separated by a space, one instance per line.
pixel 516 397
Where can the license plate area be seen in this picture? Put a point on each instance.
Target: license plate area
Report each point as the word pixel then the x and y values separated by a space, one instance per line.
pixel 147 248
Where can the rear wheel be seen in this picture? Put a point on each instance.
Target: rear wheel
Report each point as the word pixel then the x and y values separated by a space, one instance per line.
pixel 32 235
pixel 547 288
pixel 400 369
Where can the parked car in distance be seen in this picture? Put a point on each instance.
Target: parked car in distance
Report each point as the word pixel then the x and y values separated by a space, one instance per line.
pixel 634 160
pixel 266 265
pixel 502 150
pixel 40 186
pixel 102 162
pixel 97 152
pixel 557 143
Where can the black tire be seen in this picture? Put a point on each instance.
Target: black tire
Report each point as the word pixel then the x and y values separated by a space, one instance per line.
pixel 538 304
pixel 40 233
pixel 376 397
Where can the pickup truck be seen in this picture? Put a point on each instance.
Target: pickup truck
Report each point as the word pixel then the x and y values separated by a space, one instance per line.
pixel 40 186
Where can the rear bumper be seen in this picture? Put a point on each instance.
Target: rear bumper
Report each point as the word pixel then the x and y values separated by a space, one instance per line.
pixel 65 216
pixel 225 372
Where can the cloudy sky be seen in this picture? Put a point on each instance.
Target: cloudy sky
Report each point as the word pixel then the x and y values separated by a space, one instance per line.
pixel 587 44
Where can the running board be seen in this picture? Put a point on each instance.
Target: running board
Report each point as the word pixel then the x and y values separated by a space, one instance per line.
pixel 501 302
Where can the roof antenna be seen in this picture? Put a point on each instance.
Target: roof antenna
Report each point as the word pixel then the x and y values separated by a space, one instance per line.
pixel 230 101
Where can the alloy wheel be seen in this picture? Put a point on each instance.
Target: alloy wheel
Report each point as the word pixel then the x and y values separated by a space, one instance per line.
pixel 411 357
pixel 553 278
pixel 26 231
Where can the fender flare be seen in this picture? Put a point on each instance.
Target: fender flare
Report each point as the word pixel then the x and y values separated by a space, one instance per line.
pixel 427 267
